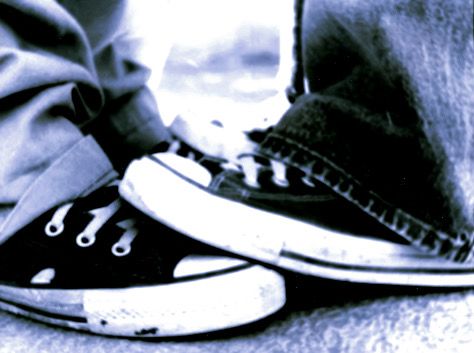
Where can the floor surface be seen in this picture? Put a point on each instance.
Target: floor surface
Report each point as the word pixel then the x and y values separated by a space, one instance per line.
pixel 226 83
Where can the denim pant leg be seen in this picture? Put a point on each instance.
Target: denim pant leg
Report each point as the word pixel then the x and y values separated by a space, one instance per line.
pixel 387 124
pixel 129 123
pixel 53 90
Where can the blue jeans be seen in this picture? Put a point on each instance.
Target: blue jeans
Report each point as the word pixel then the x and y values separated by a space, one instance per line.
pixel 64 81
pixel 389 115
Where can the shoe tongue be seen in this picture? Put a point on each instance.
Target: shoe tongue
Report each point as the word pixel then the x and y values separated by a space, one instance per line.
pixel 187 167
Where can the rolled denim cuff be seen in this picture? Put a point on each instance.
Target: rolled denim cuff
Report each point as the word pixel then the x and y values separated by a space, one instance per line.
pixel 390 171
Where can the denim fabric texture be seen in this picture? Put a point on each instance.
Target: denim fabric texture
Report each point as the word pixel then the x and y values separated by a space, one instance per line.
pixel 66 75
pixel 387 123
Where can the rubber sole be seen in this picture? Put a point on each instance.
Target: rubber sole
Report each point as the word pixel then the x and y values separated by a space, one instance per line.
pixel 198 304
pixel 160 191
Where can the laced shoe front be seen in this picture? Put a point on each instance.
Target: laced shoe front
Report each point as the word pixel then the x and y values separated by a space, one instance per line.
pixel 269 211
pixel 100 265
pixel 91 242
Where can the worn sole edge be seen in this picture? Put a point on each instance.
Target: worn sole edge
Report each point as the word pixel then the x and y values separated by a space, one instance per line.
pixel 218 302
pixel 156 189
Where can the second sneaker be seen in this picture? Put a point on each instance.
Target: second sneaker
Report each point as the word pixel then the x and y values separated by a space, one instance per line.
pixel 275 214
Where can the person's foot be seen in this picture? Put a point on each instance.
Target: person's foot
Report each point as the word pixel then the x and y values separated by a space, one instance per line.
pixel 98 264
pixel 267 211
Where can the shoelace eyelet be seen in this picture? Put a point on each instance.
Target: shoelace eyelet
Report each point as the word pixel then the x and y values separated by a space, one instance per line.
pixel 279 174
pixel 250 171
pixel 307 180
pixel 84 240
pixel 124 245
pixel 56 224
pixel 283 183
pixel 53 230
pixel 120 250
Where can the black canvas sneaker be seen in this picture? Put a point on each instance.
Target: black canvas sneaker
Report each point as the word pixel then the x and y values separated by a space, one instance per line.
pixel 98 264
pixel 279 215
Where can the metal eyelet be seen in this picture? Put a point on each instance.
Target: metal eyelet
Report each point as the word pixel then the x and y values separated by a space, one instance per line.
pixel 279 174
pixel 53 230
pixel 307 180
pixel 85 240
pixel 120 250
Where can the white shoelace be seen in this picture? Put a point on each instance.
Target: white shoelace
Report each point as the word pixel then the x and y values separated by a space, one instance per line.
pixel 100 216
pixel 251 169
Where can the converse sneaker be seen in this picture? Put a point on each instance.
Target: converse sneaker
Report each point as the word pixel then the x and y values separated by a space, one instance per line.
pixel 278 215
pixel 98 264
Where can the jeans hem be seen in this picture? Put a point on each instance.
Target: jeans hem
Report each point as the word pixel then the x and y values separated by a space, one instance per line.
pixel 456 247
